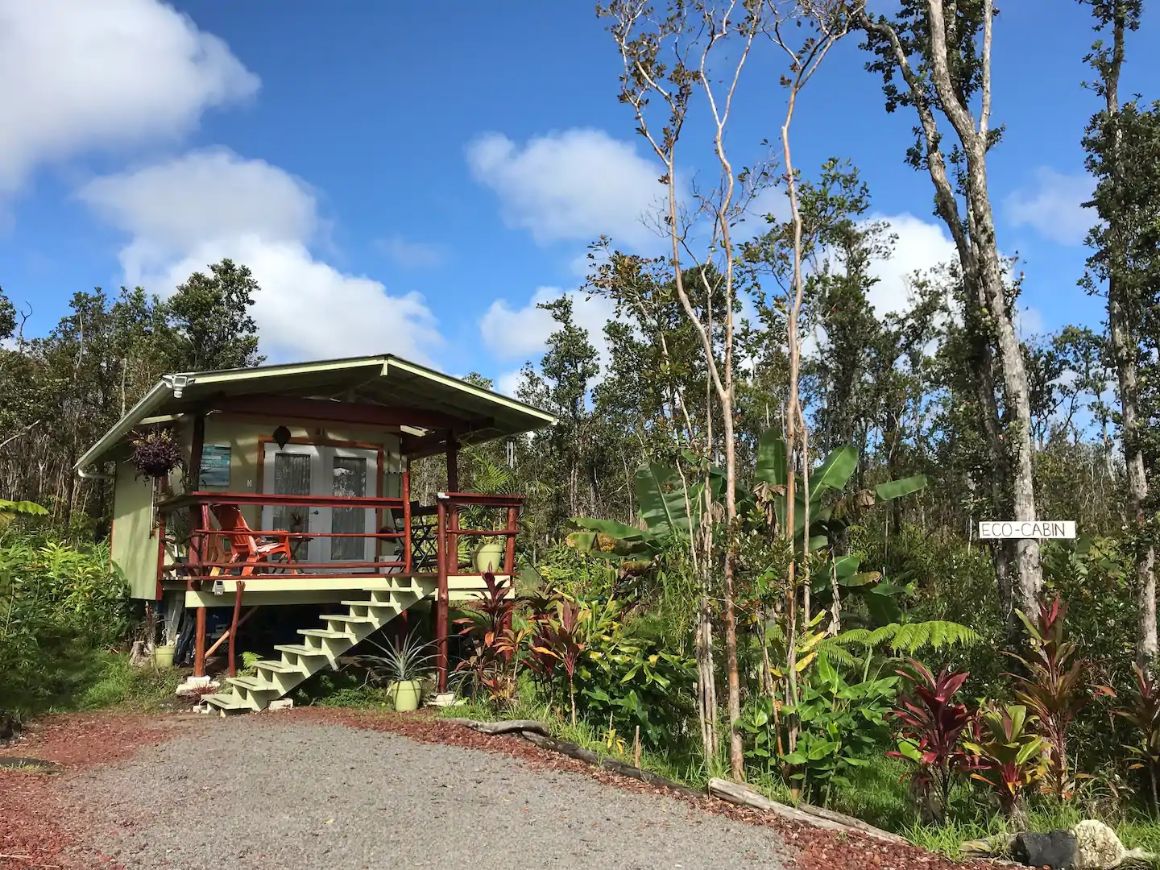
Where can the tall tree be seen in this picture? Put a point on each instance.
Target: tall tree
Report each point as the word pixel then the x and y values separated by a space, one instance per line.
pixel 935 57
pixel 695 53
pixel 563 386
pixel 211 317
pixel 1121 143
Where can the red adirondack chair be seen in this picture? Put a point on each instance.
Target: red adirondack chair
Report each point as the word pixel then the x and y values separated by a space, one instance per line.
pixel 246 549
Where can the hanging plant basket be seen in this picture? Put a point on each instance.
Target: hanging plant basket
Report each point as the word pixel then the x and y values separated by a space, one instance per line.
pixel 156 453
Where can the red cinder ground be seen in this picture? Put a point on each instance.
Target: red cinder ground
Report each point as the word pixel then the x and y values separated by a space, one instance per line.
pixel 34 832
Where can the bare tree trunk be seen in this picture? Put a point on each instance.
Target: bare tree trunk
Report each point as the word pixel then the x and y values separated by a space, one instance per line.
pixel 1125 350
pixel 979 257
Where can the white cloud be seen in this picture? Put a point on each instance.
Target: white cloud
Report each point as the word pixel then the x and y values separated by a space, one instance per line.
pixel 920 245
pixel 522 333
pixel 189 212
pixel 77 75
pixel 1029 322
pixel 412 254
pixel 172 207
pixel 573 185
pixel 770 201
pixel 1053 206
pixel 508 383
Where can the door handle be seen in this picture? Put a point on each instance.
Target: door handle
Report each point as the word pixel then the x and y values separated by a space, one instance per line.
pixel 315 513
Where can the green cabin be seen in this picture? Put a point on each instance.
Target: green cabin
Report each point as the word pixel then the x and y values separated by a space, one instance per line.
pixel 291 485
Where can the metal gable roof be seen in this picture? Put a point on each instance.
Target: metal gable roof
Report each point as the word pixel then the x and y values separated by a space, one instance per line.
pixel 384 379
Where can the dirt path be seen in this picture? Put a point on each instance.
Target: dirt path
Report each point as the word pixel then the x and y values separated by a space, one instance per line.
pixel 344 789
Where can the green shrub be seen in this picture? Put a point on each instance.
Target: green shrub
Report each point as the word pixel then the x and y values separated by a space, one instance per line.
pixel 842 725
pixel 60 604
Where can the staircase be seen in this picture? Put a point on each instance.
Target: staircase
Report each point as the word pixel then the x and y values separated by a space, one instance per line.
pixel 320 647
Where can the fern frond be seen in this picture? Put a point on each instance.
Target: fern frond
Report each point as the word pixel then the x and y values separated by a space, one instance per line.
pixel 836 653
pixel 909 637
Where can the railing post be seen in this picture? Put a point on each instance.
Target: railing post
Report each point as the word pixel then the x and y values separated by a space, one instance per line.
pixel 513 526
pixel 452 538
pixel 441 596
pixel 407 566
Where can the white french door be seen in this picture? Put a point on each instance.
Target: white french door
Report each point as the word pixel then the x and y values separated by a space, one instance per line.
pixel 320 470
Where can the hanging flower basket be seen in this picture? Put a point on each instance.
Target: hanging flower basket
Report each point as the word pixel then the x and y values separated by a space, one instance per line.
pixel 156 453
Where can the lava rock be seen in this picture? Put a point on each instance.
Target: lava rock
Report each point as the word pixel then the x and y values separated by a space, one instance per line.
pixel 1058 850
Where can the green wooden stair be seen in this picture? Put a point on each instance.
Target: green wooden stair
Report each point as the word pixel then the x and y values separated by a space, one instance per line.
pixel 320 647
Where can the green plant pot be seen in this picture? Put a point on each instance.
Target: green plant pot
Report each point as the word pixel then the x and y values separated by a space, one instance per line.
pixel 405 695
pixel 490 556
pixel 163 655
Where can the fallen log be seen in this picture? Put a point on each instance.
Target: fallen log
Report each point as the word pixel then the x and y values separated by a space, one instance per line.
pixel 510 726
pixel 572 750
pixel 851 822
pixel 743 795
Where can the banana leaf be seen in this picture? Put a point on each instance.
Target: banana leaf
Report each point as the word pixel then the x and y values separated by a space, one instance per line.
pixel 898 488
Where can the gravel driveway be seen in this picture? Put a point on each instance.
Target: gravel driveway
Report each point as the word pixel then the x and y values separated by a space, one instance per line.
pixel 249 792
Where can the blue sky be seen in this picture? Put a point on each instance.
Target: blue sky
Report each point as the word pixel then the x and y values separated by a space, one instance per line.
pixel 412 177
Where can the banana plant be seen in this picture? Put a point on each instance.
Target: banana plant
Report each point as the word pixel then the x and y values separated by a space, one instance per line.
pixel 830 506
pixel 671 507
pixel 670 510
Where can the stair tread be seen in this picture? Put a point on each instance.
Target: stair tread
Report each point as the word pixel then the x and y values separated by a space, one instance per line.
pixel 322 632
pixel 299 649
pixel 226 701
pixel 253 684
pixel 342 617
pixel 371 603
pixel 277 666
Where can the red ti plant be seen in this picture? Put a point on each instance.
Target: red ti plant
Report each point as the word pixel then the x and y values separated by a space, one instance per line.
pixel 1143 714
pixel 931 724
pixel 1008 754
pixel 1053 687
pixel 559 639
pixel 488 623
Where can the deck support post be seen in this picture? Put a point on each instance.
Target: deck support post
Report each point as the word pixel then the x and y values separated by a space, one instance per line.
pixel 199 644
pixel 441 596
pixel 452 463
pixel 196 445
pixel 198 514
pixel 240 588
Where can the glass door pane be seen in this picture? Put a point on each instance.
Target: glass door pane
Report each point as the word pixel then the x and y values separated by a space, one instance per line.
pixel 349 479
pixel 291 477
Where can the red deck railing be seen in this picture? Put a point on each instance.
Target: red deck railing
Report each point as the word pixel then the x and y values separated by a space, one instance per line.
pixel 449 507
pixel 428 536
pixel 206 546
pixel 430 545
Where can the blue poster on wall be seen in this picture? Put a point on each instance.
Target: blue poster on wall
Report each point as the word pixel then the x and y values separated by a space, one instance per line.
pixel 215 465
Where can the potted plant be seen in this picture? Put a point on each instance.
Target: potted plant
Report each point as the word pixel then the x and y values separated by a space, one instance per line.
pixel 401 667
pixel 155 453
pixel 490 478
pixel 163 652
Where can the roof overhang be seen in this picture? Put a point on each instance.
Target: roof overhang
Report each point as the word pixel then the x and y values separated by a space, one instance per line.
pixel 443 406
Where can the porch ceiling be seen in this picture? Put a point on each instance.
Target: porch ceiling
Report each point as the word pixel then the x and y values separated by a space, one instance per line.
pixel 386 381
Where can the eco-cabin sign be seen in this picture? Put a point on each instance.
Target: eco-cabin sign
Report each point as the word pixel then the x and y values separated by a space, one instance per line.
pixel 1029 529
pixel 215 465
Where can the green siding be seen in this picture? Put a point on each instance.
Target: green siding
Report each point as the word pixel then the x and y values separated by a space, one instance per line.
pixel 134 545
